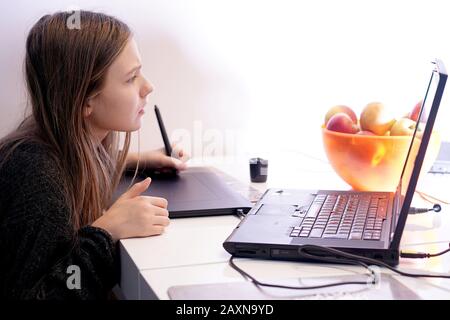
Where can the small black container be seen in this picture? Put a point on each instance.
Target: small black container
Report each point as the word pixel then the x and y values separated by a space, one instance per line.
pixel 258 169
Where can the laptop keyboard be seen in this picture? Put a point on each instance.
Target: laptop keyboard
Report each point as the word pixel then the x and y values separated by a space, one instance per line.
pixel 354 217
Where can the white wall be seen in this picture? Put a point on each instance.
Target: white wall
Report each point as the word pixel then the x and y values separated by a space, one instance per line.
pixel 259 74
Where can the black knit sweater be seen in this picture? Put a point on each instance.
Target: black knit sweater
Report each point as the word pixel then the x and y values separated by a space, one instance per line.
pixel 40 255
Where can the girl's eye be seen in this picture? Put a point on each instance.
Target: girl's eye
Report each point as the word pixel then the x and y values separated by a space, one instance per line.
pixel 132 79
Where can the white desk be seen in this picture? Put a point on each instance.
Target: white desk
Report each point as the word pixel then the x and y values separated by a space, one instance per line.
pixel 191 252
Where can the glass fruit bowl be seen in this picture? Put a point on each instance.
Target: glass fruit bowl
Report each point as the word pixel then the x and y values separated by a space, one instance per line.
pixel 373 163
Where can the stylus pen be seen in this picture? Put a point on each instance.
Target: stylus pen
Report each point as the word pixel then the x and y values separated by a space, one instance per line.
pixel 163 132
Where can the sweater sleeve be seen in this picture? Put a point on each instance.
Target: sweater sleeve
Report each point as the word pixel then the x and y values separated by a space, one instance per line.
pixel 42 257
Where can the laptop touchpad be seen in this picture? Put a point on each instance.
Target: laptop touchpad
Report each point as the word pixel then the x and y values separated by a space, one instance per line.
pixel 276 209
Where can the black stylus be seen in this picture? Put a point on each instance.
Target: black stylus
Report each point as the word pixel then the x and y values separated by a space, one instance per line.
pixel 167 145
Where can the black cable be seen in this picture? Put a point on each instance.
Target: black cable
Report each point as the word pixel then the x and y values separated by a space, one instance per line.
pixel 347 258
pixel 373 279
pixel 436 208
pixel 353 257
pixel 421 255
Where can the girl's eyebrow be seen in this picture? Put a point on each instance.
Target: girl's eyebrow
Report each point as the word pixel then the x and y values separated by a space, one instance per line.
pixel 134 69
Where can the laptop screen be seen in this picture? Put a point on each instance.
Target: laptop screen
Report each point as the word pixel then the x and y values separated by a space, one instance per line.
pixel 416 139
pixel 424 126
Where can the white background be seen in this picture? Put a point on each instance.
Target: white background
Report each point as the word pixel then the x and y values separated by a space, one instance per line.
pixel 256 75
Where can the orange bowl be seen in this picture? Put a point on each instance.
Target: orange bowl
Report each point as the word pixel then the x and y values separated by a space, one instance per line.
pixel 373 163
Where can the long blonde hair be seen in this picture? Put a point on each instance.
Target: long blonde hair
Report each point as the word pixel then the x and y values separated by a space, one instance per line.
pixel 63 68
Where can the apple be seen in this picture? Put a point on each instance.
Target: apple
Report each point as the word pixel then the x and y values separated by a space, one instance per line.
pixel 414 114
pixel 403 127
pixel 376 118
pixel 341 109
pixel 366 133
pixel 341 122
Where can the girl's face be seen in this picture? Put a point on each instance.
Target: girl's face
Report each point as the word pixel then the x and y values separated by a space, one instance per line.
pixel 119 106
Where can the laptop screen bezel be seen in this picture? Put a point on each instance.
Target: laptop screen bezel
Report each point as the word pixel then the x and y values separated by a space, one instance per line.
pixel 441 72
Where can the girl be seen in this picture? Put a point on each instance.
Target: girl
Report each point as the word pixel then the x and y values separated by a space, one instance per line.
pixel 59 168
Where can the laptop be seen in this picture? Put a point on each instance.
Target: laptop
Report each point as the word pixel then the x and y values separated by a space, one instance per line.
pixel 197 191
pixel 369 224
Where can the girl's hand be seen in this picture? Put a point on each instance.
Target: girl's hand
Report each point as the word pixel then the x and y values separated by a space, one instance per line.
pixel 133 215
pixel 157 159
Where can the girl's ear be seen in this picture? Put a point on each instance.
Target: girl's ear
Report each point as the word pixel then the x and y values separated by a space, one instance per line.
pixel 87 108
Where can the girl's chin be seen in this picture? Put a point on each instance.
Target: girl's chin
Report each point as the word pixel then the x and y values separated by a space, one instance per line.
pixel 134 127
